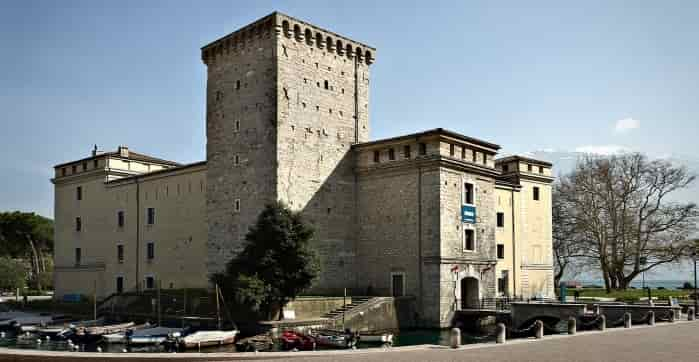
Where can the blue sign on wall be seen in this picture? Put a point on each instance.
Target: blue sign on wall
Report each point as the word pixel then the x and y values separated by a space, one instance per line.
pixel 468 214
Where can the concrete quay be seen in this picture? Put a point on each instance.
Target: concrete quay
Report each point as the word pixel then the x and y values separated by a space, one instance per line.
pixel 678 342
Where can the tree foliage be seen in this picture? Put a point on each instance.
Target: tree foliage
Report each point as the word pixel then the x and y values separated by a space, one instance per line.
pixel 27 236
pixel 13 274
pixel 276 264
pixel 618 212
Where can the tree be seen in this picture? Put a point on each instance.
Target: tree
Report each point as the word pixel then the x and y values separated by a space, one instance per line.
pixel 276 263
pixel 13 274
pixel 565 245
pixel 620 213
pixel 29 237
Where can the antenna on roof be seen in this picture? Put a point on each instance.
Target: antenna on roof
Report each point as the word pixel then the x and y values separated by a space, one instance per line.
pixel 94 151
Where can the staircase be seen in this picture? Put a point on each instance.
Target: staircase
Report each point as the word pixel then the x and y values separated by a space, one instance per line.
pixel 347 309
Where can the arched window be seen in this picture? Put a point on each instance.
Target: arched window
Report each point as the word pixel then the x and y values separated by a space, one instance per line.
pixel 309 36
pixel 358 53
pixel 297 31
pixel 329 43
pixel 368 57
pixel 348 49
pixel 285 28
pixel 319 40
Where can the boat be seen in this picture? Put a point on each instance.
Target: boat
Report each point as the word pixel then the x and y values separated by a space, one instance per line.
pixel 261 342
pixel 377 338
pixel 120 336
pixel 155 335
pixel 95 333
pixel 207 338
pixel 334 339
pixel 294 340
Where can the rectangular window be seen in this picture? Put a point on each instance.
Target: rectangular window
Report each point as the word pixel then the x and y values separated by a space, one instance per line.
pixel 423 149
pixel 505 168
pixel 376 156
pixel 150 250
pixel 536 194
pixel 485 159
pixel 78 224
pixel 469 240
pixel 84 166
pixel 463 152
pixel 150 282
pixel 391 154
pixel 468 193
pixel 119 285
pixel 541 169
pixel 120 254
pixel 501 251
pixel 120 219
pixel 150 216
pixel 475 156
pixel 237 84
pixel 63 171
pixel 237 125
pixel 236 160
pixel 236 205
pixel 451 150
pixel 78 256
pixel 501 219
pixel 529 168
pixel 95 164
pixel 74 169
pixel 79 193
pixel 406 151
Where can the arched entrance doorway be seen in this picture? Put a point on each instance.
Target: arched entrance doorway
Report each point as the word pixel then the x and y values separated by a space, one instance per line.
pixel 469 293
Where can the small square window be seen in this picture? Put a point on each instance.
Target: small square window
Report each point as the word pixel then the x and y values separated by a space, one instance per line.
pixel 536 193
pixel 423 149
pixel 377 156
pixel 501 251
pixel 391 154
pixel 469 240
pixel 501 219
pixel 406 151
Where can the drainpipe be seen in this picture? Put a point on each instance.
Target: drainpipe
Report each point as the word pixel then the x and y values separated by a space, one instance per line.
pixel 514 248
pixel 419 235
pixel 138 233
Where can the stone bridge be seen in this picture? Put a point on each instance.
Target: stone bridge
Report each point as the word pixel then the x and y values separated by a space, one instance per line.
pixel 523 314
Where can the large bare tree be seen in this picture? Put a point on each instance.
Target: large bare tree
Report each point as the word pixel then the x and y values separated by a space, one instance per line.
pixel 618 212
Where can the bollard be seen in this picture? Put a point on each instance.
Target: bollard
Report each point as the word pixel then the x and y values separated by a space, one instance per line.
pixel 651 318
pixel 690 314
pixel 539 328
pixel 627 320
pixel 501 332
pixel 602 322
pixel 672 316
pixel 597 309
pixel 572 325
pixel 455 337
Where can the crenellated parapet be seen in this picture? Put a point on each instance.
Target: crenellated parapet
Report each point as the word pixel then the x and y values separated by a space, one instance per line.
pixel 278 25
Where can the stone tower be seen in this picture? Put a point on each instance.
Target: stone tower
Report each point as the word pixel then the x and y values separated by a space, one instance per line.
pixel 285 102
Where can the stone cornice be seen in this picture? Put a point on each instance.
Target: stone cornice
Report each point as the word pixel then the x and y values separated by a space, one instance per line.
pixel 458 260
pixel 428 161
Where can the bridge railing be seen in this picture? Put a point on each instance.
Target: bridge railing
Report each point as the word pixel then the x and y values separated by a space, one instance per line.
pixel 504 303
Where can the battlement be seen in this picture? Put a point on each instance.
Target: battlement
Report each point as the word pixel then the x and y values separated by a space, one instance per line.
pixel 279 24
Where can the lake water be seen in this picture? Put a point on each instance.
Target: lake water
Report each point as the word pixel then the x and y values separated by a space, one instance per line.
pixel 638 283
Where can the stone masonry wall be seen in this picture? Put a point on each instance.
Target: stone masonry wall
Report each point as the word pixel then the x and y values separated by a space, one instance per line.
pixel 241 137
pixel 315 130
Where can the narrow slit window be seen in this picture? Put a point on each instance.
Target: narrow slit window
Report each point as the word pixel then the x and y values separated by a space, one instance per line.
pixel 469 240
pixel 468 193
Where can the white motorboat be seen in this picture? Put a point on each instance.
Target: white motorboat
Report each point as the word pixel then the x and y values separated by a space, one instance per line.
pixel 208 338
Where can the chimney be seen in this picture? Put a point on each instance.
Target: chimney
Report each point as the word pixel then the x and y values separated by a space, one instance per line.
pixel 124 151
pixel 94 151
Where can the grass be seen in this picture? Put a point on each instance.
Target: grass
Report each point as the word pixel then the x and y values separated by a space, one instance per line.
pixel 631 294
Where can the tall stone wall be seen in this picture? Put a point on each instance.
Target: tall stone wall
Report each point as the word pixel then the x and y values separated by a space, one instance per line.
pixel 241 136
pixel 319 117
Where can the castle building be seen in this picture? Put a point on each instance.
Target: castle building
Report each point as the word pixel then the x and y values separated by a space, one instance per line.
pixel 432 215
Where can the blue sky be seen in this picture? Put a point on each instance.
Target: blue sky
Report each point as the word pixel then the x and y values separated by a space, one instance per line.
pixel 588 75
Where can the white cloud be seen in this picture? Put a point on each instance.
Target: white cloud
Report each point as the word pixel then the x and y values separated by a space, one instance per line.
pixel 627 124
pixel 604 150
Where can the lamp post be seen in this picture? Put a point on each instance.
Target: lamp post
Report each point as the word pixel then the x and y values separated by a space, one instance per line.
pixel 696 296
